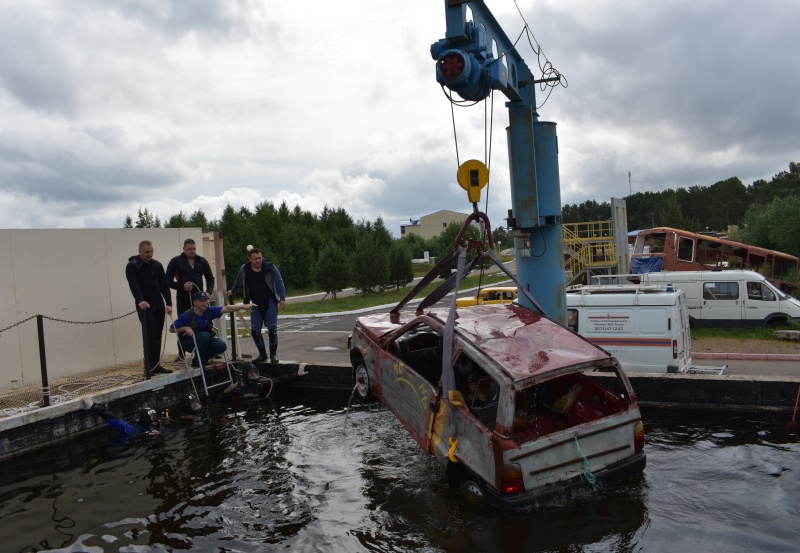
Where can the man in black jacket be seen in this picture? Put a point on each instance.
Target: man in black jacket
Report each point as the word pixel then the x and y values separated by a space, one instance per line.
pixel 152 295
pixel 185 274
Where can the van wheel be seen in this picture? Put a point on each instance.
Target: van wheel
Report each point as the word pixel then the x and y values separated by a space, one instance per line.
pixel 776 322
pixel 363 387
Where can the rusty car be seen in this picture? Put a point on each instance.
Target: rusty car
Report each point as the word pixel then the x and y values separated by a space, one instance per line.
pixel 519 409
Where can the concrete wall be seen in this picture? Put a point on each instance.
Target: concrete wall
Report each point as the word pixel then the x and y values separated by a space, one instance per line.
pixel 74 275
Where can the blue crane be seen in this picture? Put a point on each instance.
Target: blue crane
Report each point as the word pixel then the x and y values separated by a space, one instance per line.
pixel 474 58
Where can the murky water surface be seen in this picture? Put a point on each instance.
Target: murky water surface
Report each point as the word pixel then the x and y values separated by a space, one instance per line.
pixel 303 475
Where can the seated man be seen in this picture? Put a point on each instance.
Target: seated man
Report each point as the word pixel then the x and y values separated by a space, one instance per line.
pixel 196 324
pixel 753 291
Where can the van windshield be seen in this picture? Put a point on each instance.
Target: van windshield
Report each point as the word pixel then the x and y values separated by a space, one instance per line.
pixel 781 295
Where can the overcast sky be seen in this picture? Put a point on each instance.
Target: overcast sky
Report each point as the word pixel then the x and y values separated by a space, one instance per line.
pixel 109 106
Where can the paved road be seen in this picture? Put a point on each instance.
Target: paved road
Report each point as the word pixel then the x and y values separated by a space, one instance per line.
pixel 323 340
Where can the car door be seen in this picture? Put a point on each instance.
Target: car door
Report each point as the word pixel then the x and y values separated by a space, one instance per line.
pixel 474 422
pixel 760 302
pixel 409 370
pixel 721 304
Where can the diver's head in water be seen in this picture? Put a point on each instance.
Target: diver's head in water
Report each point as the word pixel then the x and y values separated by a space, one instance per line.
pixel 148 419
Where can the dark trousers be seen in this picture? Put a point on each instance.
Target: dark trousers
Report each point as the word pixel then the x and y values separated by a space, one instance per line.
pixel 154 318
pixel 183 302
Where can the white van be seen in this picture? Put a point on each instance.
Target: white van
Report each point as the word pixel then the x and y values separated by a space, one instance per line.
pixel 733 298
pixel 646 327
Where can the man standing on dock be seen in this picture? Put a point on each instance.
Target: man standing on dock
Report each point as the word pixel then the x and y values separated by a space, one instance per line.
pixel 263 286
pixel 151 292
pixel 185 275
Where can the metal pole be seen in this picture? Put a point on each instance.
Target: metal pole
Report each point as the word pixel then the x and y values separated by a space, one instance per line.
pixel 145 343
pixel 43 362
pixel 233 332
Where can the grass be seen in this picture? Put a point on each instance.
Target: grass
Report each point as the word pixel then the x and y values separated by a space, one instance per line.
pixel 352 303
pixel 740 333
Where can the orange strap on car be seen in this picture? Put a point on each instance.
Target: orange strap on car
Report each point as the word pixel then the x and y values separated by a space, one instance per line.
pixel 451 454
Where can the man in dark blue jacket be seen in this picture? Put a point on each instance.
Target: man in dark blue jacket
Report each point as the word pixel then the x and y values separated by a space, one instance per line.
pixel 152 296
pixel 263 286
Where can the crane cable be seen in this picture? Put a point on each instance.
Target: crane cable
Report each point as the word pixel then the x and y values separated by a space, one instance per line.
pixel 488 134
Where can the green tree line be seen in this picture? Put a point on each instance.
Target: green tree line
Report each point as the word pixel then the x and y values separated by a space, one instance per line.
pixel 330 251
pixel 767 213
pixel 327 251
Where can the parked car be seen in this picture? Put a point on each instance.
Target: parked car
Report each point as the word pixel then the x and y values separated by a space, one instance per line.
pixel 493 294
pixel 524 411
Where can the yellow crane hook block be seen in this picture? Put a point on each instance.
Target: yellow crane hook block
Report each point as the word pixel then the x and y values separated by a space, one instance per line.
pixel 473 175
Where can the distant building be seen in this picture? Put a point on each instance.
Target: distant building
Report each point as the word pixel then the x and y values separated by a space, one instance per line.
pixel 430 226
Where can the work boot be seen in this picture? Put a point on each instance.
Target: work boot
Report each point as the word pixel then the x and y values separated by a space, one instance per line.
pixel 272 351
pixel 262 355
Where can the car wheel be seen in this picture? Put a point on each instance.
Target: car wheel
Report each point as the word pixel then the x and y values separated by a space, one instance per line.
pixel 363 387
pixel 472 491
pixel 466 483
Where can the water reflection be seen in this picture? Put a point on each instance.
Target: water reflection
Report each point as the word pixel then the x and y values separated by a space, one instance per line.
pixel 311 477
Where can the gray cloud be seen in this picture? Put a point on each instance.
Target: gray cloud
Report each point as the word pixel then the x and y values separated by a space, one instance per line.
pixel 106 107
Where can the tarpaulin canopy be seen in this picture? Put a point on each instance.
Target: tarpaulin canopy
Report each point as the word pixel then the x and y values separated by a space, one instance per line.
pixel 641 265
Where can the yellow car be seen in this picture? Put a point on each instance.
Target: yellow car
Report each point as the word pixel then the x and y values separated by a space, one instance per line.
pixel 494 294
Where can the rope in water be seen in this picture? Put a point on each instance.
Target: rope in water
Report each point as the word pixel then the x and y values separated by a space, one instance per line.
pixel 587 473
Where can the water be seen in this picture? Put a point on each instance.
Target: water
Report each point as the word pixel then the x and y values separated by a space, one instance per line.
pixel 306 476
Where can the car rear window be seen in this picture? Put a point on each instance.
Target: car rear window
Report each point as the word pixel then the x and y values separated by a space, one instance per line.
pixel 565 402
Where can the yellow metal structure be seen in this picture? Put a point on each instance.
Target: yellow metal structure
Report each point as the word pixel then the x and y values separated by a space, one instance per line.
pixel 589 247
pixel 473 175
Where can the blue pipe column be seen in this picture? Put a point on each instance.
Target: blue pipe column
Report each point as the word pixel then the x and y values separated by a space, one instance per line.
pixel 536 207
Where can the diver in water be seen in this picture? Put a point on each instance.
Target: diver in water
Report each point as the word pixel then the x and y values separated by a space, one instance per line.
pixel 147 420
pixel 188 409
pixel 251 386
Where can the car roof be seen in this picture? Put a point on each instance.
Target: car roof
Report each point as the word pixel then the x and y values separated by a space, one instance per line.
pixel 524 343
pixel 501 288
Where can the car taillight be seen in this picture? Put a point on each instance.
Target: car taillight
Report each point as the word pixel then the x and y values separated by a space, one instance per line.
pixel 638 436
pixel 674 349
pixel 511 481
